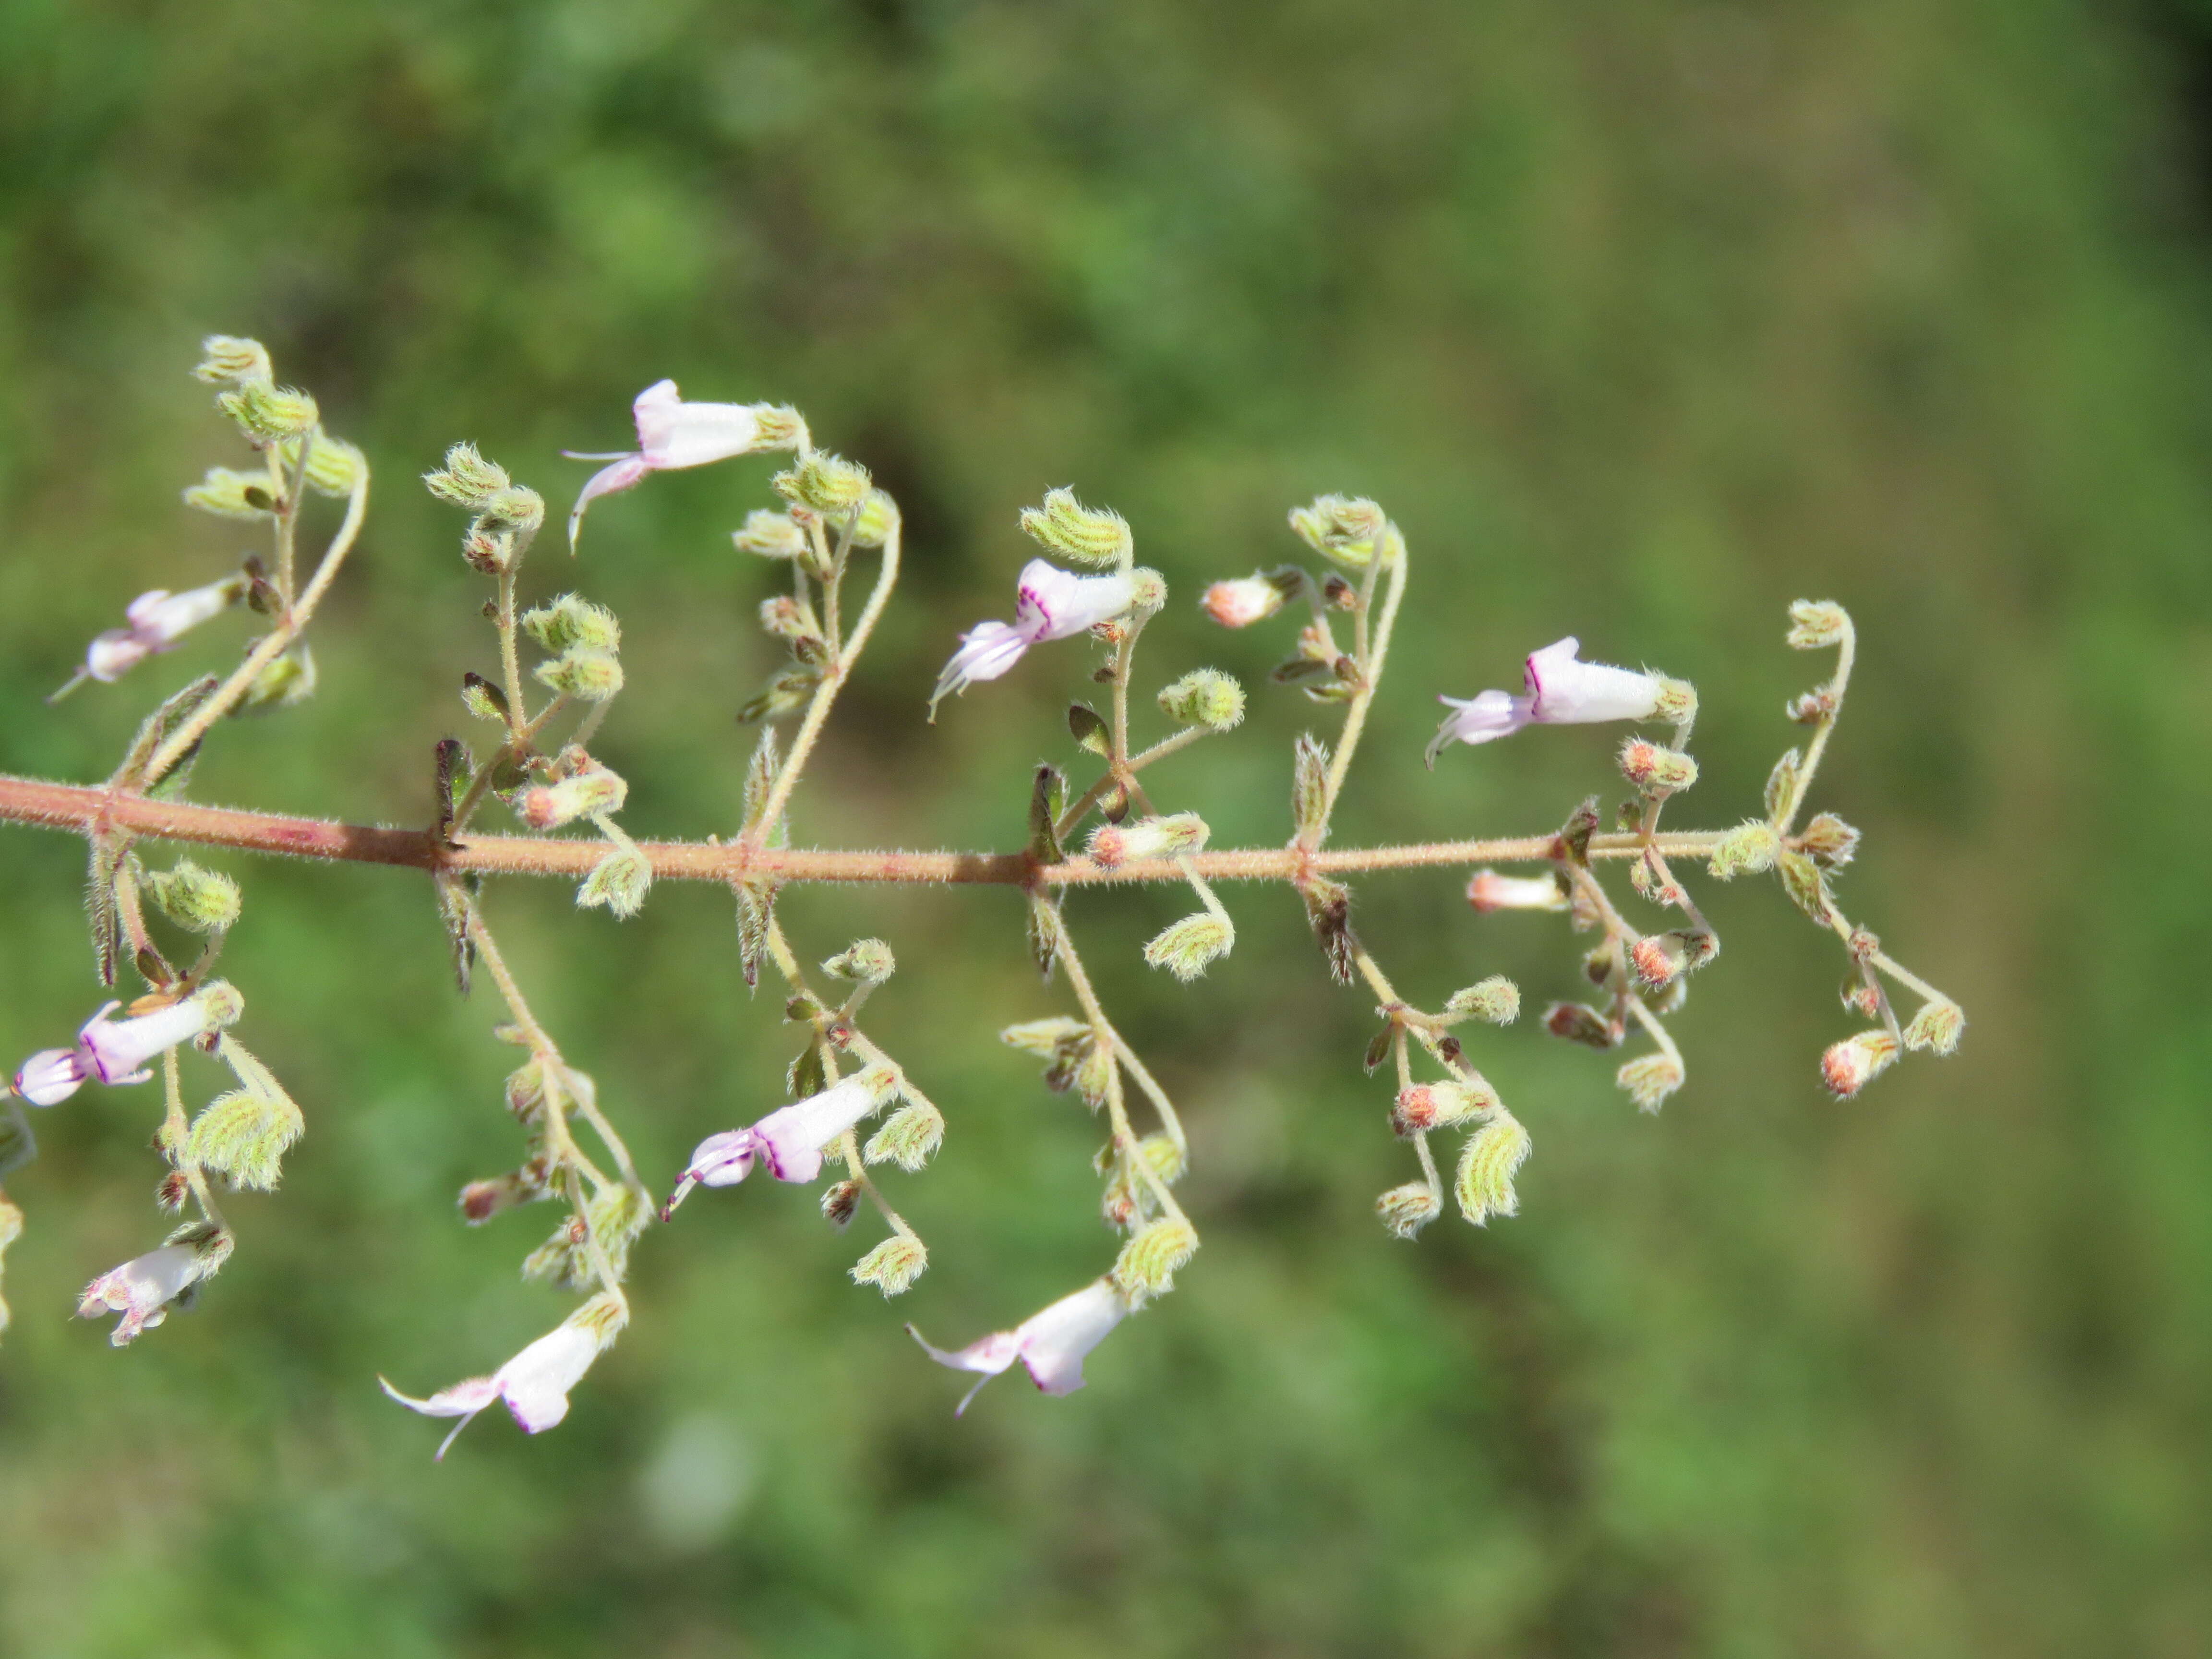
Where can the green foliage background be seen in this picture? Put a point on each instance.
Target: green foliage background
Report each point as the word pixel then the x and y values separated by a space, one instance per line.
pixel 1644 320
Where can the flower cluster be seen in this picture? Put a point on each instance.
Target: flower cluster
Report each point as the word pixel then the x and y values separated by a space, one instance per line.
pixel 1101 817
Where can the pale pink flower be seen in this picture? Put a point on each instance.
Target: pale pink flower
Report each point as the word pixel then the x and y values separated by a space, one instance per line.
pixel 158 620
pixel 788 1140
pixel 1558 690
pixel 117 1050
pixel 535 1383
pixel 1052 1343
pixel 672 434
pixel 142 1289
pixel 1051 605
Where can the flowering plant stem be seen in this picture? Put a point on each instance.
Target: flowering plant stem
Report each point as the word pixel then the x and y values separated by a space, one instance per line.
pixel 91 809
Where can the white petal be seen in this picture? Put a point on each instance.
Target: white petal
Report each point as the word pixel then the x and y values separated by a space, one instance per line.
pixel 675 434
pixel 990 1355
pixel 1479 720
pixel 52 1075
pixel 1056 604
pixel 120 1048
pixel 114 653
pixel 161 623
pixel 1564 691
pixel 722 1160
pixel 1054 1342
pixel 791 1138
pixel 605 482
pixel 535 1383
pixel 462 1399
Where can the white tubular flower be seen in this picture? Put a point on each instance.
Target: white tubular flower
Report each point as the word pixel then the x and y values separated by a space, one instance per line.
pixel 1560 691
pixel 142 1289
pixel 789 1140
pixel 158 619
pixel 1487 890
pixel 535 1383
pixel 117 1051
pixel 1564 692
pixel 1052 604
pixel 1052 1344
pixel 672 434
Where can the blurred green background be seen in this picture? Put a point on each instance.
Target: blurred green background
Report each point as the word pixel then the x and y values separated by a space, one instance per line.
pixel 1644 319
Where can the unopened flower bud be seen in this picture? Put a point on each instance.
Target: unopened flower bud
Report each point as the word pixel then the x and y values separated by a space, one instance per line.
pixel 1405 1210
pixel 1148 590
pixel 1148 1261
pixel 1487 890
pixel 227 360
pixel 778 426
pixel 1425 1106
pixel 1497 999
pixel 828 484
pixel 839 1201
pixel 480 1200
pixel 878 517
pixel 1937 1026
pixel 770 535
pixel 1206 697
pixel 1184 948
pixel 335 467
pixel 1047 1038
pixel 1813 707
pixel 1654 769
pixel 1816 623
pixel 619 881
pixel 1745 850
pixel 1830 840
pixel 1086 534
pixel 569 623
pixel 586 675
pixel 1676 702
pixel 268 414
pixel 283 681
pixel 517 510
pixel 481 698
pixel 792 621
pixel 893 1265
pixel 1494 1154
pixel 199 900
pixel 1650 1078
pixel 1578 1023
pixel 1849 1066
pixel 1343 528
pixel 908 1138
pixel 231 495
pixel 1658 958
pixel 1115 844
pixel 245 1135
pixel 1245 601
pixel 467 479
pixel 1164 1155
pixel 867 960
pixel 586 794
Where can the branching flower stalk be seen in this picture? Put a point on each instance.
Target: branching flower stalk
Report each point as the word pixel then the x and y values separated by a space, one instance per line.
pixel 832 515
